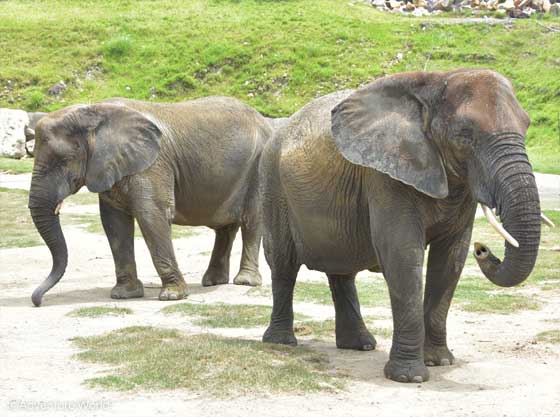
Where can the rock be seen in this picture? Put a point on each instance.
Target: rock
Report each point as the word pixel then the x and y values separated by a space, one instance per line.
pixel 555 9
pixel 410 7
pixel 536 4
pixel 420 3
pixel 420 11
pixel 443 5
pixel 507 5
pixel 546 6
pixel 380 4
pixel 57 89
pixel 492 4
pixel 393 4
pixel 12 133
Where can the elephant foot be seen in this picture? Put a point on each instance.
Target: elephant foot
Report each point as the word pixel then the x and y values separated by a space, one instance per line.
pixel 406 371
pixel 247 277
pixel 357 339
pixel 280 336
pixel 173 291
pixel 214 277
pixel 131 289
pixel 437 355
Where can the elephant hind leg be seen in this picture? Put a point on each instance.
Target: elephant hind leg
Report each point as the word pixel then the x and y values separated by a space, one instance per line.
pixel 281 255
pixel 218 269
pixel 251 232
pixel 351 331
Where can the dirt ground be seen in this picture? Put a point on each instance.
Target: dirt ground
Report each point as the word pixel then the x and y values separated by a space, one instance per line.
pixel 500 370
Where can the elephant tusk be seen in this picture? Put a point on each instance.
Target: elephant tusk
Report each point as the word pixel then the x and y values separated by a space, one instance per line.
pixel 497 226
pixel 57 208
pixel 547 221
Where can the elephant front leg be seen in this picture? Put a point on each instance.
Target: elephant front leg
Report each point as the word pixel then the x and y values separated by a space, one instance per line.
pixel 351 331
pixel 156 229
pixel 399 243
pixel 119 228
pixel 218 269
pixel 445 264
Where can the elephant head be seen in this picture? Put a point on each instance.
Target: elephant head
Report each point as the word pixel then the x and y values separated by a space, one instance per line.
pixel 434 131
pixel 93 145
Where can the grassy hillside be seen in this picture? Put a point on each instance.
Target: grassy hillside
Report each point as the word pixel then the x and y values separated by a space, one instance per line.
pixel 274 55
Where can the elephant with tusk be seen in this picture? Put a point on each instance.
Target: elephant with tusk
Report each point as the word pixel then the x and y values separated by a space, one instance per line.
pixel 192 163
pixel 368 179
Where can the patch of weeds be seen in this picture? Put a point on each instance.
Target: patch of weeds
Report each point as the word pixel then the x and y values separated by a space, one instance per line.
pixel 118 46
pixel 152 358
pixel 36 99
pixel 15 166
pixel 99 311
pixel 549 336
pixel 225 315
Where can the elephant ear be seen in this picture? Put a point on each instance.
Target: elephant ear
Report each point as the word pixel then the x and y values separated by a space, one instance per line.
pixel 383 126
pixel 122 142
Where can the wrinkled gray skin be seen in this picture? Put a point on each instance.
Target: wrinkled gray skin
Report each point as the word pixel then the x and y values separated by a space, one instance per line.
pixel 368 179
pixel 192 163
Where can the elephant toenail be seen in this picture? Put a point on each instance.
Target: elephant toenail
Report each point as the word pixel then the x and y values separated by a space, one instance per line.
pixel 430 363
pixel 417 379
pixel 402 378
pixel 445 362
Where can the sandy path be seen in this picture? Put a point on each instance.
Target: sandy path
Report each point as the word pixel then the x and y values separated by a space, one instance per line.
pixel 499 371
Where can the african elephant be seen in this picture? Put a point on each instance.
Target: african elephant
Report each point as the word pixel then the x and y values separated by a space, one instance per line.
pixel 191 163
pixel 368 179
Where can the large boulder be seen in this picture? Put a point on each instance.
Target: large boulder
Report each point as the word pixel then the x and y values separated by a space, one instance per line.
pixel 17 132
pixel 12 133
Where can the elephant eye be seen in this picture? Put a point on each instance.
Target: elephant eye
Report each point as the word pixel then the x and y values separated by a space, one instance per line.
pixel 465 136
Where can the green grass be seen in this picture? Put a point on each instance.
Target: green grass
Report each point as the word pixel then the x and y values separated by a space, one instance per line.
pixel 156 359
pixel 274 55
pixel 15 166
pixel 322 329
pixel 18 230
pixel 92 223
pixel 225 315
pixel 101 311
pixel 371 290
pixel 549 336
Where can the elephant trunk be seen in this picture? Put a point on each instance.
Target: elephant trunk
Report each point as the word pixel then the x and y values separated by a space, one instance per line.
pixel 47 222
pixel 519 208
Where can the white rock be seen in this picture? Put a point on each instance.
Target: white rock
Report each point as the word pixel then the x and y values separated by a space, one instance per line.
pixel 555 9
pixel 507 5
pixel 12 132
pixel 546 6
pixel 420 11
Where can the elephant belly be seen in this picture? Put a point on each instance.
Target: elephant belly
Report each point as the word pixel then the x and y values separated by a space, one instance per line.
pixel 335 247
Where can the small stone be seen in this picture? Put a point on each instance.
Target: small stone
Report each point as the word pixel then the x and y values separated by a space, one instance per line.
pixel 57 89
pixel 410 7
